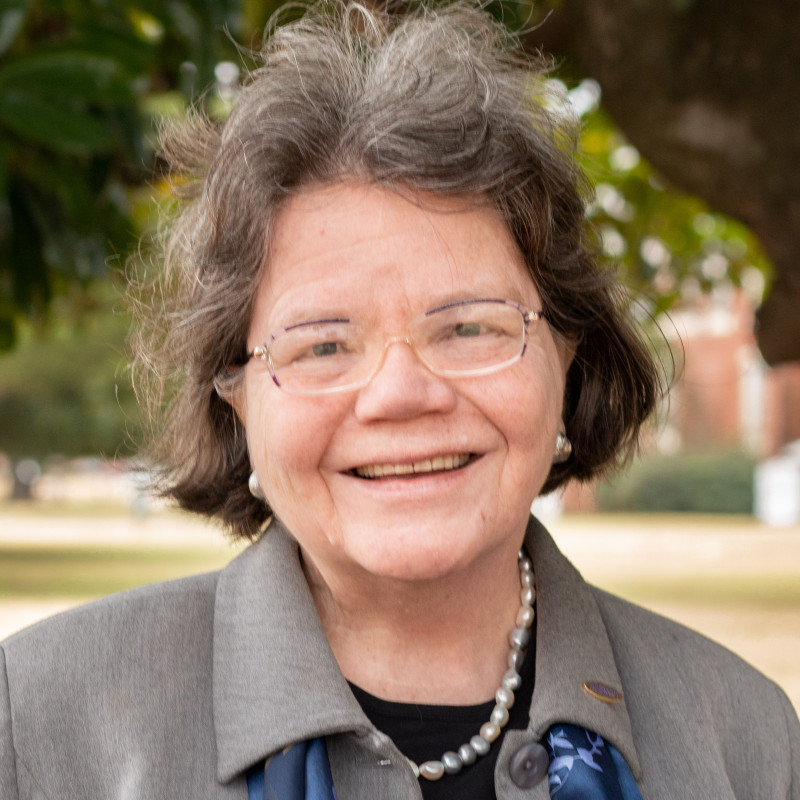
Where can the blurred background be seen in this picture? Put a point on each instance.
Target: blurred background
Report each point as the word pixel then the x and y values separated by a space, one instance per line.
pixel 689 116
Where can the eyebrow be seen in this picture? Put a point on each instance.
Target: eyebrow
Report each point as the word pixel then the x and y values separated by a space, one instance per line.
pixel 341 314
pixel 320 321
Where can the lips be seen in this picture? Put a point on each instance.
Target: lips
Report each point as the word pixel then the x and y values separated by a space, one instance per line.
pixel 428 465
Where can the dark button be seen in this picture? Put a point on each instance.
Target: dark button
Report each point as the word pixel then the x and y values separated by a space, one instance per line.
pixel 529 765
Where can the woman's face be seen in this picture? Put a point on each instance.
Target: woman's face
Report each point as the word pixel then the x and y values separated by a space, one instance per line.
pixel 366 253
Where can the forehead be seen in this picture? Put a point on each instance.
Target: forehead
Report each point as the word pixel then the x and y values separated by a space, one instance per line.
pixel 365 246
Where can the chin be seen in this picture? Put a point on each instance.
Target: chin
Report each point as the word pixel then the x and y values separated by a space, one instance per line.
pixel 415 570
pixel 413 554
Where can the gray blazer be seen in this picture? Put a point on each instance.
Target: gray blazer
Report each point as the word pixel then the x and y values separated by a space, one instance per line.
pixel 173 690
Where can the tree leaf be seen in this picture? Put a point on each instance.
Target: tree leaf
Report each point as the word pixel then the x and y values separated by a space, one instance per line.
pixel 12 15
pixel 71 75
pixel 30 282
pixel 7 333
pixel 110 39
pixel 58 126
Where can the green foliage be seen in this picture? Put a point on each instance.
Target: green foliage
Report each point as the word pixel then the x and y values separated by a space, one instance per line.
pixel 67 390
pixel 77 82
pixel 714 483
pixel 668 245
pixel 82 83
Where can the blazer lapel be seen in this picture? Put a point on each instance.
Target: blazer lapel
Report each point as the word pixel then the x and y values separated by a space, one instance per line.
pixel 572 650
pixel 275 680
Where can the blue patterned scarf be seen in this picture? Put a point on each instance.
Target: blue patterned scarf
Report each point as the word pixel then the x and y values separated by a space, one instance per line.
pixel 582 767
pixel 301 772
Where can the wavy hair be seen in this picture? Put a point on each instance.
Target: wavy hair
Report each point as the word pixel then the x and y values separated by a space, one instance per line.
pixel 436 101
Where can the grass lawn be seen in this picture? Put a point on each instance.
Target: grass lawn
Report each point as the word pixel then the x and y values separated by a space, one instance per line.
pixel 47 571
pixel 764 591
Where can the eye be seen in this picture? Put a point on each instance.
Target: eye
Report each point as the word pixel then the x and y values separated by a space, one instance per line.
pixel 312 343
pixel 325 349
pixel 465 329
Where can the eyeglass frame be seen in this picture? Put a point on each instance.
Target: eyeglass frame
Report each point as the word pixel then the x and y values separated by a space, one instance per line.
pixel 262 352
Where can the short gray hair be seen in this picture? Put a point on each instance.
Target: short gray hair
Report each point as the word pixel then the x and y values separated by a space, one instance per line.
pixel 438 101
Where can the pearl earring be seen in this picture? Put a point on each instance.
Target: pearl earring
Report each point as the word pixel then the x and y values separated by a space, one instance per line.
pixel 255 487
pixel 562 450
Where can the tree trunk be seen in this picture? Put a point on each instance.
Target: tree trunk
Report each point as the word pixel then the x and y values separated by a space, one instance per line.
pixel 707 92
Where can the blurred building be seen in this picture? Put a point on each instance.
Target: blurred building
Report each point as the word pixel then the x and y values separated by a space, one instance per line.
pixel 725 395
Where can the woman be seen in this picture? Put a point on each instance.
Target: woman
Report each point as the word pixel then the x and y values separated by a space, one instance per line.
pixel 393 336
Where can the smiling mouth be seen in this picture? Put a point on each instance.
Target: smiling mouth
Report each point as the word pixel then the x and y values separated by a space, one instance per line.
pixel 428 465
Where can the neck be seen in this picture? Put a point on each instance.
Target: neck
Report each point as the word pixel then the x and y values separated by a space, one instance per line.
pixel 441 641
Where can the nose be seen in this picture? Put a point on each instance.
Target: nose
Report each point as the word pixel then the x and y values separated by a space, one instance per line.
pixel 403 387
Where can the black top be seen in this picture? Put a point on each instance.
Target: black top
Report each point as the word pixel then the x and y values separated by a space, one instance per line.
pixel 424 733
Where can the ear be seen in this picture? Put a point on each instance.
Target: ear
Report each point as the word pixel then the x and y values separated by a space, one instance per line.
pixel 240 407
pixel 566 349
pixel 229 387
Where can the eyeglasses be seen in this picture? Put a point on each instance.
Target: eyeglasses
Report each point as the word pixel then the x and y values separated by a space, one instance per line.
pixel 457 340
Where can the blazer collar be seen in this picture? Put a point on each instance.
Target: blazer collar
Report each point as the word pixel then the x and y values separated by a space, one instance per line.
pixel 572 648
pixel 275 679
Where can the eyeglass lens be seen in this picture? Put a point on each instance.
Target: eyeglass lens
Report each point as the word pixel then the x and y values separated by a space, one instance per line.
pixel 457 339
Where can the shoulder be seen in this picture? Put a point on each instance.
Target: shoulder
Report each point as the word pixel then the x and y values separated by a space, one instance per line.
pixel 681 686
pixel 667 652
pixel 108 686
pixel 643 638
pixel 154 602
pixel 158 623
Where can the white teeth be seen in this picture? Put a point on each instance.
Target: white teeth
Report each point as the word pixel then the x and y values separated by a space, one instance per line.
pixel 438 464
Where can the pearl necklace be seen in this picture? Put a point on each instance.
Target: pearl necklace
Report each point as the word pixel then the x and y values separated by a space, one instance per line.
pixel 452 762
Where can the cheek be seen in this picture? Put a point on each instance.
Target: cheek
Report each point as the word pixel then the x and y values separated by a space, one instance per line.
pixel 533 426
pixel 531 418
pixel 287 439
pixel 534 402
